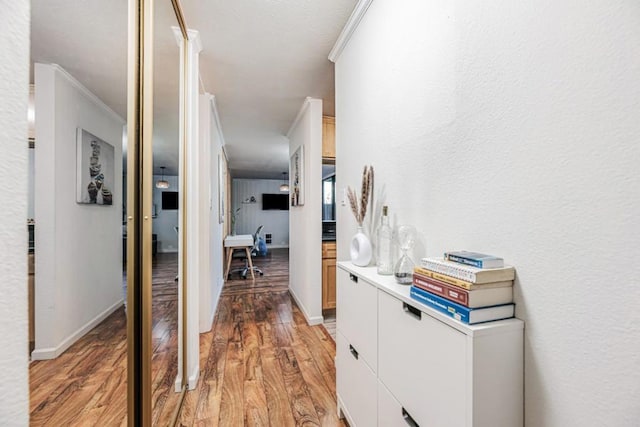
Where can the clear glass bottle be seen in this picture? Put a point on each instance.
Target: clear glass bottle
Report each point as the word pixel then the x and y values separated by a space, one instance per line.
pixel 384 258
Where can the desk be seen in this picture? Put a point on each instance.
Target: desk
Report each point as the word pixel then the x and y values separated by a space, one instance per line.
pixel 240 241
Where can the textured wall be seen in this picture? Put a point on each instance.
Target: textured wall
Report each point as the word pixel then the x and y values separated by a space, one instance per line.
pixel 512 128
pixel 14 91
pixel 305 222
pixel 78 246
pixel 252 215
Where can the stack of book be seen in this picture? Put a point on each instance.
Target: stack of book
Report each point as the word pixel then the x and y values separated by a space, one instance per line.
pixel 468 286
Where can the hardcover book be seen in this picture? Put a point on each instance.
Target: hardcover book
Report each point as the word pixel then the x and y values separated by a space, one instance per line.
pixel 459 282
pixel 473 299
pixel 467 272
pixel 463 314
pixel 474 259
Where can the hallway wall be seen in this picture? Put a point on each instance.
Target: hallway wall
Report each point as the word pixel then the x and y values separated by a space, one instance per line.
pixel 252 215
pixel 512 128
pixel 78 250
pixel 14 92
pixel 305 222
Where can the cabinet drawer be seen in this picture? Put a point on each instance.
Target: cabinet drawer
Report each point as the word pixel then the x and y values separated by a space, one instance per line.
pixel 423 363
pixel 355 385
pixel 357 314
pixel 390 412
pixel 329 250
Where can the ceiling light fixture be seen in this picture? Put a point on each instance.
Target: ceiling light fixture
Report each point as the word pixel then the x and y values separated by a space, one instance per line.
pixel 284 186
pixel 162 183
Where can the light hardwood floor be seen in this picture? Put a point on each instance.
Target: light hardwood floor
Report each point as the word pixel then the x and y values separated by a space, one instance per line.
pixel 261 364
pixel 87 384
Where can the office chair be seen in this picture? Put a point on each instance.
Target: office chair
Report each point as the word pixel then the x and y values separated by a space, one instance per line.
pixel 254 252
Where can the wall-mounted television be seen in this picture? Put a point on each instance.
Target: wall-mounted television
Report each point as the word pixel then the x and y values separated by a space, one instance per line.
pixel 169 200
pixel 275 202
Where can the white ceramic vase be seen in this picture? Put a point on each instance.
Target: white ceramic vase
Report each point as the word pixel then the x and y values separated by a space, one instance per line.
pixel 361 250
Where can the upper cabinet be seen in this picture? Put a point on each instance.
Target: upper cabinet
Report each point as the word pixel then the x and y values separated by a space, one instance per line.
pixel 328 137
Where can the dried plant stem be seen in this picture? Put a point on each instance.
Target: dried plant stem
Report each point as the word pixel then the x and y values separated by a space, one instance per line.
pixel 359 207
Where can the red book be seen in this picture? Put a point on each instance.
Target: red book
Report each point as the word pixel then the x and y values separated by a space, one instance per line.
pixel 472 299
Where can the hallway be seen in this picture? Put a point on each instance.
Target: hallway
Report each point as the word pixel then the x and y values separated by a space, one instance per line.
pixel 87 384
pixel 261 364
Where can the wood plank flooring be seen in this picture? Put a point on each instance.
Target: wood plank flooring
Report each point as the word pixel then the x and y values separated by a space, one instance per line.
pixel 261 364
pixel 87 384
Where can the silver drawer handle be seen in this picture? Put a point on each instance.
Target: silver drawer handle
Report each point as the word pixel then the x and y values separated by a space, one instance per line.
pixel 408 418
pixel 353 351
pixel 412 311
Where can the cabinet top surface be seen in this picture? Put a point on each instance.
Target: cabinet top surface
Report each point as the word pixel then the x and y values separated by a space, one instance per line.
pixel 390 286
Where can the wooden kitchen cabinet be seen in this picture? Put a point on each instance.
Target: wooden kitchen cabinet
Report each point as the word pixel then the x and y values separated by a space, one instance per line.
pixel 328 137
pixel 328 275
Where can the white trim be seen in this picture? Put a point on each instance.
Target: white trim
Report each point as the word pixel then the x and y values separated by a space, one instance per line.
pixel 350 27
pixel 194 38
pixel 305 105
pixel 168 251
pixel 274 246
pixel 317 320
pixel 192 382
pixel 88 93
pixel 193 378
pixel 216 117
pixel 53 352
pixel 216 300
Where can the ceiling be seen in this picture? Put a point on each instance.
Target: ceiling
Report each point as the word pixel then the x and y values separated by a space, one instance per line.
pixel 260 59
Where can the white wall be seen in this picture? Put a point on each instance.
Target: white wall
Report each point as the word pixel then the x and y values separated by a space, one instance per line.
pixel 305 222
pixel 251 215
pixel 512 128
pixel 211 141
pixel 165 220
pixel 79 247
pixel 14 91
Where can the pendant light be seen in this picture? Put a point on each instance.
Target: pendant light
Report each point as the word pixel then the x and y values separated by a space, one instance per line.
pixel 162 183
pixel 284 186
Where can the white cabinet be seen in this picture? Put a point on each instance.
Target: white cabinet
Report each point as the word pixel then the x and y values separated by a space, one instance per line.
pixel 356 314
pixel 418 367
pixel 357 403
pixel 423 361
pixel 390 412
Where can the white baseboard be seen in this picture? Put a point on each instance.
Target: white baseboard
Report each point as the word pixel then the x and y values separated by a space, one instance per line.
pixel 53 352
pixel 311 320
pixel 216 300
pixel 271 246
pixel 192 382
pixel 193 378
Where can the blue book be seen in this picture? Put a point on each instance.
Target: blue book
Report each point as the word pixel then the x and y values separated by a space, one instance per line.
pixel 475 259
pixel 461 313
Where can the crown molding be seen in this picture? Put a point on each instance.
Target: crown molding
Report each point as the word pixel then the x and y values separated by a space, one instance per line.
pixel 216 118
pixel 305 105
pixel 86 92
pixel 350 27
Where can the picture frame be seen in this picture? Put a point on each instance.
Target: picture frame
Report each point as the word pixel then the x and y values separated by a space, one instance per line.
pixel 296 186
pixel 95 169
pixel 222 183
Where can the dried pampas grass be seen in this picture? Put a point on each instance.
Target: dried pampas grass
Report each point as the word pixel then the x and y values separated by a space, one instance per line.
pixel 359 207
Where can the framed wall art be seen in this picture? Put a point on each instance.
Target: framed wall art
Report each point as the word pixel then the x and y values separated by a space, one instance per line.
pixel 296 187
pixel 95 169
